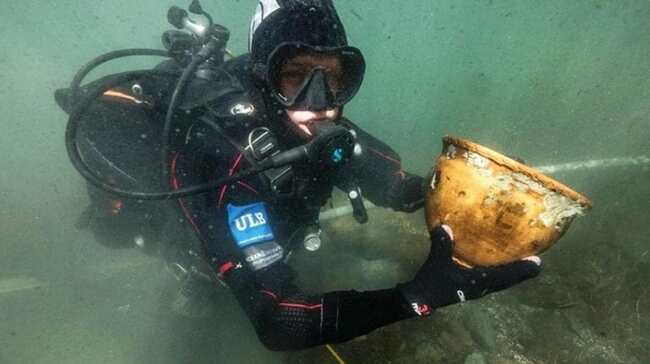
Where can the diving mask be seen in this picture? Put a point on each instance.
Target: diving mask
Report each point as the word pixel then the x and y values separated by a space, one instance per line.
pixel 302 77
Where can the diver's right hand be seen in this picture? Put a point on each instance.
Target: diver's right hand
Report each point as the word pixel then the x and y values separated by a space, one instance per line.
pixel 441 281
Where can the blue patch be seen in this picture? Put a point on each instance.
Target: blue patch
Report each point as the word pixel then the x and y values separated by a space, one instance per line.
pixel 249 224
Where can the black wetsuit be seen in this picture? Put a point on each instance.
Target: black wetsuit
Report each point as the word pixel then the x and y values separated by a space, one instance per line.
pixel 247 229
pixel 285 317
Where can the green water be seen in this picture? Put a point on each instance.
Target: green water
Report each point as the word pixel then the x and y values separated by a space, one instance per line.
pixel 549 81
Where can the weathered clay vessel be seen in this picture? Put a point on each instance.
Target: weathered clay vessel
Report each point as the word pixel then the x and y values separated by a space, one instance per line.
pixel 499 209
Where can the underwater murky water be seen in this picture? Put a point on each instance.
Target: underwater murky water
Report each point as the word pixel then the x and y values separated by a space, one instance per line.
pixel 552 82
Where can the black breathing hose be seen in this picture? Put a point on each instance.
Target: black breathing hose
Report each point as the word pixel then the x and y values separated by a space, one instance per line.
pixel 203 55
pixel 173 104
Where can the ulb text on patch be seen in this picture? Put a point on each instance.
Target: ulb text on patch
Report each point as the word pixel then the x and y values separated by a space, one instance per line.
pixel 250 221
pixel 249 224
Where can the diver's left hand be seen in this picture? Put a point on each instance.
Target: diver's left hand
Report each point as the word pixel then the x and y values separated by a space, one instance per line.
pixel 441 281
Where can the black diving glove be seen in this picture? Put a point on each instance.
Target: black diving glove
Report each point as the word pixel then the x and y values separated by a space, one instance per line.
pixel 441 282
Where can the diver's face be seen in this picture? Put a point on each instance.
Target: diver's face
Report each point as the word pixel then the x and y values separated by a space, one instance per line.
pixel 292 75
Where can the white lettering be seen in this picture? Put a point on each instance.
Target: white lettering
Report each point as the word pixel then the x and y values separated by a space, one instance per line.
pixel 241 224
pixel 250 221
pixel 260 217
pixel 254 222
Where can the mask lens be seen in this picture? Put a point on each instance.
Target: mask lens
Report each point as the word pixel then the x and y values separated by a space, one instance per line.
pixel 353 69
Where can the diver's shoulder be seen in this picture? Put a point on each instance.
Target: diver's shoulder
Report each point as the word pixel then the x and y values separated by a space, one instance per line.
pixel 239 66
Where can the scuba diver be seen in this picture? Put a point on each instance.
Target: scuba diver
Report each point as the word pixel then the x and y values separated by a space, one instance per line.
pixel 250 150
